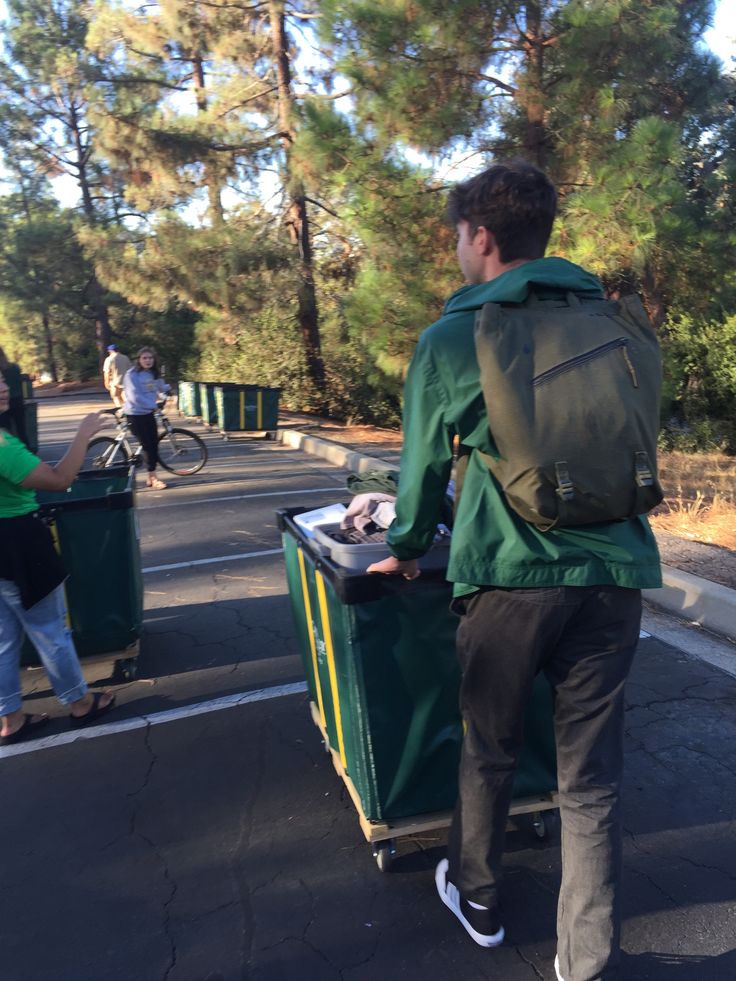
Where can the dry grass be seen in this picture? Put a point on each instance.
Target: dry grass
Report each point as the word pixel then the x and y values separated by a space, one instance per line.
pixel 700 497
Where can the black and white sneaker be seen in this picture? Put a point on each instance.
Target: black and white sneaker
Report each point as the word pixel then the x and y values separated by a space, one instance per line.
pixel 482 924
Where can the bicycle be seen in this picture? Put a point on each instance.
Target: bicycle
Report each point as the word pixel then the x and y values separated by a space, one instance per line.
pixel 180 451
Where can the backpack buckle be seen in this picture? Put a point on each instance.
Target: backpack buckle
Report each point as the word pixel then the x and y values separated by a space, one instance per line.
pixel 643 469
pixel 565 489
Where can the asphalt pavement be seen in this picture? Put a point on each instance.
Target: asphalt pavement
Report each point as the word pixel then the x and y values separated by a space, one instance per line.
pixel 202 834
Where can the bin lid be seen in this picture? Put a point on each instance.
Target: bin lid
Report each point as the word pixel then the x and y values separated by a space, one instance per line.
pixel 111 488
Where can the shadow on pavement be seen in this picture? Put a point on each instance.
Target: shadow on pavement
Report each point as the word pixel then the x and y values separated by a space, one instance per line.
pixel 676 967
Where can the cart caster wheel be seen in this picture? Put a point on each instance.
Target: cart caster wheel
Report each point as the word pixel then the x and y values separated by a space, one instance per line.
pixel 269 436
pixel 383 852
pixel 126 669
pixel 540 826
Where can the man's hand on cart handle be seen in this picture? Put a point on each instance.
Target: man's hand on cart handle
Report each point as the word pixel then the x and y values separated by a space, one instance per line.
pixel 391 566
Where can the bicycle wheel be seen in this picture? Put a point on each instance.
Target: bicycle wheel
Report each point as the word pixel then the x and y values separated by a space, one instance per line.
pixel 181 452
pixel 102 452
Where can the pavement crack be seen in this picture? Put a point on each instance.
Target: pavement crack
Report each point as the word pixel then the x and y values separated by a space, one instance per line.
pixel 241 845
pixel 136 832
pixel 151 763
pixel 655 754
pixel 707 868
pixel 727 700
pixel 655 885
pixel 526 961
pixel 173 889
pixel 685 859
pixel 211 912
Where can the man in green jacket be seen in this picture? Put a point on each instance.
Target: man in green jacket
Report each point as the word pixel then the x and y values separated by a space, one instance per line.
pixel 564 601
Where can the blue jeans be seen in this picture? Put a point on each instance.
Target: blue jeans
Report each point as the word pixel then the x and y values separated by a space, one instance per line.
pixel 583 638
pixel 45 624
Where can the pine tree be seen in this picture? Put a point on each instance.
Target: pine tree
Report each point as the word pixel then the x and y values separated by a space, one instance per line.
pixel 200 99
pixel 45 79
pixel 606 96
pixel 43 279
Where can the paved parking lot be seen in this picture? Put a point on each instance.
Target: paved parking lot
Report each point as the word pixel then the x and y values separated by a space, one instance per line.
pixel 202 834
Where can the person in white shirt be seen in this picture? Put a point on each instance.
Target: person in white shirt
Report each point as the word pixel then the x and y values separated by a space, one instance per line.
pixel 113 372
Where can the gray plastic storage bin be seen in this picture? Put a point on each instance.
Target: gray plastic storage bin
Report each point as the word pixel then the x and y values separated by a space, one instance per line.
pixel 359 557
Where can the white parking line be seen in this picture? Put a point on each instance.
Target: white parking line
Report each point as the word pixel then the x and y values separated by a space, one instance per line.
pixel 240 497
pixel 213 561
pixel 158 718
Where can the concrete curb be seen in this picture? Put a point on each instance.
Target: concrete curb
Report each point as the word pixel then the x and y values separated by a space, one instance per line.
pixel 700 601
pixel 341 456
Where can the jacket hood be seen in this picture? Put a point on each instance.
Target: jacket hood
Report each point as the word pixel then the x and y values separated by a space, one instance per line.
pixel 513 286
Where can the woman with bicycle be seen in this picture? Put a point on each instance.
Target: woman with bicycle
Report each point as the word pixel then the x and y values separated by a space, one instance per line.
pixel 142 388
pixel 31 584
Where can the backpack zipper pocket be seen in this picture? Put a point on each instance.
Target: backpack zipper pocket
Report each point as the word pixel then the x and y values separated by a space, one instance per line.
pixel 597 352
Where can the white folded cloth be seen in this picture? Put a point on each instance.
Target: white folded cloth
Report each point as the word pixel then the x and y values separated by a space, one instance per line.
pixel 368 507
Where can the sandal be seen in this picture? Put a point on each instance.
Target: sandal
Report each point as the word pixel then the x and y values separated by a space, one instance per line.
pixel 96 710
pixel 156 484
pixel 27 730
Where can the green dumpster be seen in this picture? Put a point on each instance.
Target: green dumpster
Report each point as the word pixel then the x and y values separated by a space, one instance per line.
pixel 247 408
pixel 208 405
pixel 30 415
pixel 379 658
pixel 95 527
pixel 196 399
pixel 186 398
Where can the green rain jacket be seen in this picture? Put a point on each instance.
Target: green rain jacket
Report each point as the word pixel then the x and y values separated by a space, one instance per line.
pixel 491 544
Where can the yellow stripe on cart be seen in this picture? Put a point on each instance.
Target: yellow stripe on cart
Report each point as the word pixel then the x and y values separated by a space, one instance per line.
pixel 327 633
pixel 310 631
pixel 259 409
pixel 242 410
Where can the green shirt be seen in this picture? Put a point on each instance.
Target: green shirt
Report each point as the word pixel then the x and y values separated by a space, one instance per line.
pixel 16 462
pixel 491 544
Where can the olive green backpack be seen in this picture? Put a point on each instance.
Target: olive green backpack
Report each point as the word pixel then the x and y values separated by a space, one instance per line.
pixel 572 390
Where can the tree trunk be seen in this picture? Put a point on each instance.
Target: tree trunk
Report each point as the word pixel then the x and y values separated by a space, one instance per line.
pixel 95 292
pixel 653 297
pixel 297 218
pixel 103 334
pixel 49 344
pixel 536 142
pixel 212 179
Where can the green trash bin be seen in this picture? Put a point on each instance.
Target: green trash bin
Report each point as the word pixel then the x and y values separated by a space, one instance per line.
pixel 30 414
pixel 95 528
pixel 379 657
pixel 247 408
pixel 196 399
pixel 185 398
pixel 208 404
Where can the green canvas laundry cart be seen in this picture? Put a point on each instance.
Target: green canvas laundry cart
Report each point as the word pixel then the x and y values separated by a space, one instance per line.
pixel 95 528
pixel 379 657
pixel 247 408
pixel 208 404
pixel 189 402
pixel 30 414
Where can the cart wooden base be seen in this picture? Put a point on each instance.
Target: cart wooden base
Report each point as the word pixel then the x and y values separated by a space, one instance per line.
pixel 381 835
pixel 124 662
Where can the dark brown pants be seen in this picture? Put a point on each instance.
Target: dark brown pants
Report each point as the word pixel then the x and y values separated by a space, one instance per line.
pixel 583 639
